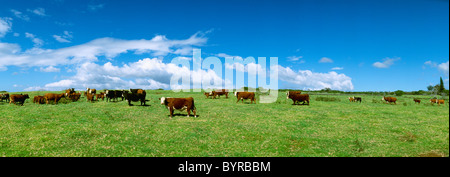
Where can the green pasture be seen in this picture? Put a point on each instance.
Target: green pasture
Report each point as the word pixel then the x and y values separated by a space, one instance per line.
pixel 326 128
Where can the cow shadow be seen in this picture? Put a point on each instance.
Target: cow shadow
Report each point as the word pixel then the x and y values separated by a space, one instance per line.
pixel 145 105
pixel 183 115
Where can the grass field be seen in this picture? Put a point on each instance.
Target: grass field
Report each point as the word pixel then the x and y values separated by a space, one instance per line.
pixel 335 128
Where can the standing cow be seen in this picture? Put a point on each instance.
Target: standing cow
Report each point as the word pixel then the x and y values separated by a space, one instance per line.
pixel 297 98
pixel 53 97
pixel 246 96
pixel 135 95
pixel 179 104
pixel 389 99
pixel 15 98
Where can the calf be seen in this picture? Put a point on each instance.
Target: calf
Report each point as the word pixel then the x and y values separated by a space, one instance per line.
pixel 90 97
pixel 389 99
pixel 245 95
pixel 135 95
pixel 179 104
pixel 53 96
pixel 75 96
pixel 208 94
pixel 15 98
pixel 70 92
pixel 101 95
pixel 416 100
pixel 299 98
pixel 39 99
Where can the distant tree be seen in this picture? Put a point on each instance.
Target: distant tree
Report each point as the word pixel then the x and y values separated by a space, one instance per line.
pixel 430 88
pixel 399 92
pixel 441 86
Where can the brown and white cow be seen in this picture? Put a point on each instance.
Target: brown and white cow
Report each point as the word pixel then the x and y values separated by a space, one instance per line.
pixel 351 99
pixel 215 93
pixel 101 95
pixel 75 96
pixel 70 91
pixel 179 104
pixel 91 91
pixel 389 99
pixel 16 98
pixel 438 101
pixel 53 97
pixel 207 94
pixel 297 98
pixel 246 96
pixel 416 100
pixel 90 97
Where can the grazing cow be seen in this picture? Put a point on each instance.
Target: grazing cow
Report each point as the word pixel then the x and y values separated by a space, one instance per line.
pixel 351 99
pixel 39 99
pixel 293 92
pixel 357 99
pixel 135 95
pixel 101 95
pixel 245 95
pixel 75 96
pixel 437 101
pixel 179 104
pixel 219 92
pixel 114 94
pixel 208 94
pixel 416 100
pixel 389 99
pixel 90 97
pixel 15 98
pixel 4 96
pixel 298 98
pixel 53 96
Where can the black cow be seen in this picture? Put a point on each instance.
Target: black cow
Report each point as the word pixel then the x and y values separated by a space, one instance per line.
pixel 135 95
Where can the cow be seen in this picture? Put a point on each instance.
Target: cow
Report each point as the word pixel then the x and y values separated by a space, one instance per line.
pixel 5 96
pixel 437 101
pixel 39 99
pixel 179 104
pixel 218 93
pixel 91 91
pixel 416 100
pixel 298 98
pixel 389 99
pixel 351 99
pixel 75 96
pixel 208 94
pixel 114 94
pixel 16 98
pixel 357 99
pixel 293 92
pixel 90 97
pixel 101 95
pixel 245 95
pixel 70 92
pixel 135 95
pixel 54 97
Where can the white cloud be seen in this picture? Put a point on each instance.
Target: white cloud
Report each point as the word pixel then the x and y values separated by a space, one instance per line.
pixel 146 74
pixel 325 60
pixel 337 68
pixel 96 7
pixel 49 69
pixel 443 67
pixel 5 26
pixel 387 62
pixel 306 79
pixel 38 11
pixel 88 52
pixel 20 15
pixel 37 42
pixel 63 38
pixel 294 58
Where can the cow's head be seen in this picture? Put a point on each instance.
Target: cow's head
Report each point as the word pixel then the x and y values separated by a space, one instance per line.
pixel 235 93
pixel 26 96
pixel 163 100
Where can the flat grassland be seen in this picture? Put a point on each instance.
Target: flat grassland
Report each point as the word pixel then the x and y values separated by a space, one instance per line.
pixel 224 128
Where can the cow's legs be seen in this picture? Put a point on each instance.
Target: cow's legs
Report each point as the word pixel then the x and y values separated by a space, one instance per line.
pixel 171 112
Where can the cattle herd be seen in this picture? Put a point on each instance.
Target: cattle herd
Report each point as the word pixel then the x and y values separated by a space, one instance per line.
pixel 179 104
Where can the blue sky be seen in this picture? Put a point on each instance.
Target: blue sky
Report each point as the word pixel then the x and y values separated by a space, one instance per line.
pixel 345 45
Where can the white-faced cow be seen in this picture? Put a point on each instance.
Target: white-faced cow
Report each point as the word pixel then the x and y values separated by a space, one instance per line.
pixel 135 95
pixel 179 104
pixel 297 97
